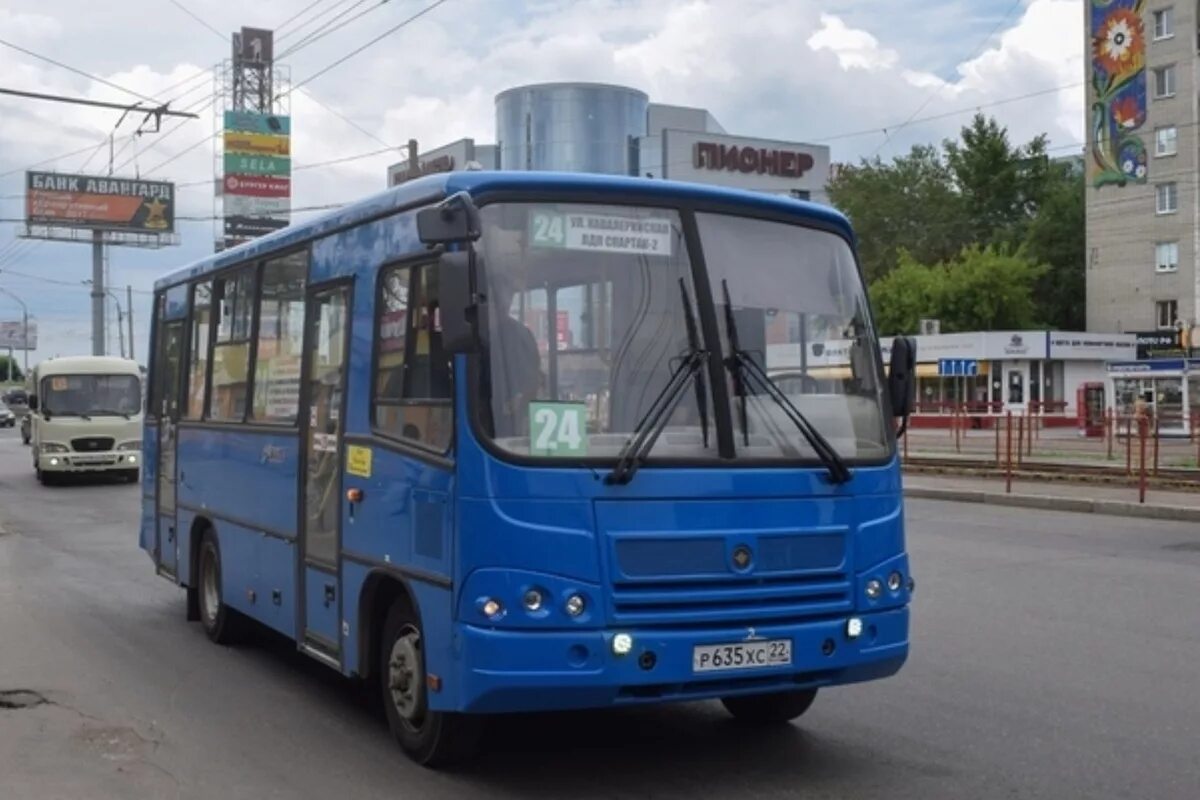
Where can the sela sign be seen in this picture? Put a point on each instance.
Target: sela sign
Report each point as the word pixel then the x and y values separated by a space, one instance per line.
pixel 751 160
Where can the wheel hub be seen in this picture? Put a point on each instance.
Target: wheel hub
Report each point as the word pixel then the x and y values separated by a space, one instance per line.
pixel 406 677
pixel 209 593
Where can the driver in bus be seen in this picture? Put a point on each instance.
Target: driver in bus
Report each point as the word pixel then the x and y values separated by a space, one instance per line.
pixel 513 362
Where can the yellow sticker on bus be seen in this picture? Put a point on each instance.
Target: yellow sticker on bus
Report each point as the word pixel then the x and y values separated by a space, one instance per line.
pixel 358 460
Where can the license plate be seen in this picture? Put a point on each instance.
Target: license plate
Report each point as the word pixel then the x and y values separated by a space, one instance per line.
pixel 742 655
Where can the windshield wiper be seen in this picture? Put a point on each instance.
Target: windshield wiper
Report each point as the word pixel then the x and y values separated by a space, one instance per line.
pixel 108 412
pixel 651 425
pixel 746 370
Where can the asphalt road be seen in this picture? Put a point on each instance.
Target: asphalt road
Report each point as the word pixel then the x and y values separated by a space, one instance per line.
pixel 1055 655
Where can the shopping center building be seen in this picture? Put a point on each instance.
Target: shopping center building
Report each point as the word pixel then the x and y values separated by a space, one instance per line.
pixel 616 130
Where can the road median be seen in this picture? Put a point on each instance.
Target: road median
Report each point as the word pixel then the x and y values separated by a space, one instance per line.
pixel 1049 502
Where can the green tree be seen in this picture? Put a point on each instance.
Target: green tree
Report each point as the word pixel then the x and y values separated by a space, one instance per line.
pixel 909 205
pixel 1056 238
pixel 17 374
pixel 980 289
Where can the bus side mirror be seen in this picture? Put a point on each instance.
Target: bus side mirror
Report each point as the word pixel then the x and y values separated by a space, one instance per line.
pixel 458 308
pixel 454 220
pixel 902 379
pixel 33 403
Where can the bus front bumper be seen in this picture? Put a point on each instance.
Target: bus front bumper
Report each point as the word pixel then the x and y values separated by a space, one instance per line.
pixel 524 670
pixel 89 462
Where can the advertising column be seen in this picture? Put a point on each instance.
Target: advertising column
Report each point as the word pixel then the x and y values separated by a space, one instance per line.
pixel 257 182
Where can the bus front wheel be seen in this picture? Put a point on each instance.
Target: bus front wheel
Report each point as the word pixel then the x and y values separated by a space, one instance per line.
pixel 431 738
pixel 770 708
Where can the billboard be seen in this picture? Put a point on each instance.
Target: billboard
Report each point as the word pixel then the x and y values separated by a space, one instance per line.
pixel 257 183
pixel 12 335
pixel 99 203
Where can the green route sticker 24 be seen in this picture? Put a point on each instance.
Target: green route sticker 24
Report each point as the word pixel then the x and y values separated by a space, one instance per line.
pixel 558 429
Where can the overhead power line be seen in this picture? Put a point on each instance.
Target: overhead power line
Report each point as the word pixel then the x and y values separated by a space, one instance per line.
pixel 402 24
pixel 81 101
pixel 87 75
pixel 933 89
pixel 189 12
pixel 283 25
pixel 329 27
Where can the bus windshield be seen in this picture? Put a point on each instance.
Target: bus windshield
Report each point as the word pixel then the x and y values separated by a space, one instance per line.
pixel 592 309
pixel 91 395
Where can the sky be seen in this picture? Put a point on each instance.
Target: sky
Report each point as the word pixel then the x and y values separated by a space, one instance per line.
pixel 849 73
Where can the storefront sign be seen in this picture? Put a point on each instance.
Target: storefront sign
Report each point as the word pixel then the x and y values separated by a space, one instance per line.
pixel 1092 346
pixel 601 233
pixel 257 144
pixel 748 160
pixel 83 201
pixel 257 123
pixel 277 166
pixel 252 226
pixel 244 206
pixel 958 367
pixel 257 186
pixel 1158 344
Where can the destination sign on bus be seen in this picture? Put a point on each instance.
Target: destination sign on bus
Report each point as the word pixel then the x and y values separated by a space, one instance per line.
pixel 602 233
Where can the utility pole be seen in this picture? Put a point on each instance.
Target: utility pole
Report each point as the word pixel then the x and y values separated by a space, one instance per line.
pixel 98 293
pixel 129 317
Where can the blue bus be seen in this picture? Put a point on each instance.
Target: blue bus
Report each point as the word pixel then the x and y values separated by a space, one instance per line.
pixel 502 442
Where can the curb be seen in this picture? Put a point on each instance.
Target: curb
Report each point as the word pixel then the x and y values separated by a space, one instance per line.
pixel 1082 505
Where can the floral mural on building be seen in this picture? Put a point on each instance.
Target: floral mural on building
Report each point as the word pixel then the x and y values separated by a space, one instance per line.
pixel 1119 84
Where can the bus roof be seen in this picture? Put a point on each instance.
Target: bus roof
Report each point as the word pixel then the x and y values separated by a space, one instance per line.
pixel 87 365
pixel 432 188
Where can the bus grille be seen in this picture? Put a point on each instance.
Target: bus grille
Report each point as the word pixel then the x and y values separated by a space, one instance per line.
pixel 734 599
pixel 92 444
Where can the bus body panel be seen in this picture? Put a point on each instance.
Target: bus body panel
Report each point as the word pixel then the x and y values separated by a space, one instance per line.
pixel 146 534
pixel 249 477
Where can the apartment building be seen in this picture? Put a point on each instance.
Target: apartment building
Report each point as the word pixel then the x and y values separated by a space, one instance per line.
pixel 1143 183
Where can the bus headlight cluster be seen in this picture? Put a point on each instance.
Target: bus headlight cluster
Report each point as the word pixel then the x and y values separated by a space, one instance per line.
pixel 895 583
pixel 575 605
pixel 136 444
pixel 874 589
pixel 51 447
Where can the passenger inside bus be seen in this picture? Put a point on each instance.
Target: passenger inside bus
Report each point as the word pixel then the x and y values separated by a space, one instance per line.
pixel 514 351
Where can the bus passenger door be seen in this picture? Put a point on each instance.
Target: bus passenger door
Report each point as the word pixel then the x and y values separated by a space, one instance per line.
pixel 326 351
pixel 171 341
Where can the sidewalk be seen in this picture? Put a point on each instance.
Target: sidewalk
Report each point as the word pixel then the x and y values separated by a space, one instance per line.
pixel 1093 499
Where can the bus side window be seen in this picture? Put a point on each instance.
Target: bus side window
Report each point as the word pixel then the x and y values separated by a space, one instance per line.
pixel 197 362
pixel 413 394
pixel 231 351
pixel 280 342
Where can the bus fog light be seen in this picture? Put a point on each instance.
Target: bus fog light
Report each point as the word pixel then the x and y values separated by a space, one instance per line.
pixel 132 459
pixel 895 581
pixel 491 608
pixel 622 644
pixel 54 462
pixel 874 589
pixel 854 628
pixel 575 605
pixel 532 600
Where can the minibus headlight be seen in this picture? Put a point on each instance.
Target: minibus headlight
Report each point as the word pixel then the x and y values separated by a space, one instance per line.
pixel 136 444
pixel 575 605
pixel 491 608
pixel 874 589
pixel 533 600
pixel 895 581
pixel 52 447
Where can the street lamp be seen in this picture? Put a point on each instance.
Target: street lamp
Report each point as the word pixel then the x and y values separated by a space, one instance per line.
pixel 122 315
pixel 25 333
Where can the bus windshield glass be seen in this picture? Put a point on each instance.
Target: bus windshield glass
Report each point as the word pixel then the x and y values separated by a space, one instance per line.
pixel 799 312
pixel 91 395
pixel 589 310
pixel 587 324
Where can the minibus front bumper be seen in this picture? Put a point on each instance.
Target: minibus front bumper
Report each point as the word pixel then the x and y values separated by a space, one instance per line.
pixel 527 670
pixel 89 462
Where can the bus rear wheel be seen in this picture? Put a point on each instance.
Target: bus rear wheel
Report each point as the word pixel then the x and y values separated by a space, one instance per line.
pixel 770 709
pixel 219 620
pixel 431 738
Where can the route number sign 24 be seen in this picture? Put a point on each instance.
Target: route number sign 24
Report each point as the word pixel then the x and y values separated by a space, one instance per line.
pixel 558 429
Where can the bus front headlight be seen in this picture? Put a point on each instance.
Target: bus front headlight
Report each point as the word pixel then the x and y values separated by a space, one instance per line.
pixel 136 444
pixel 53 447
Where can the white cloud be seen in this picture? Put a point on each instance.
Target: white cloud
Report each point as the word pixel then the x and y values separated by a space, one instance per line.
pixel 788 69
pixel 855 49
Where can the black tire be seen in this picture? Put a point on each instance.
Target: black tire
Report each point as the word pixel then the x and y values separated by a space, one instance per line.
pixel 770 709
pixel 133 475
pixel 47 478
pixel 430 738
pixel 220 622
